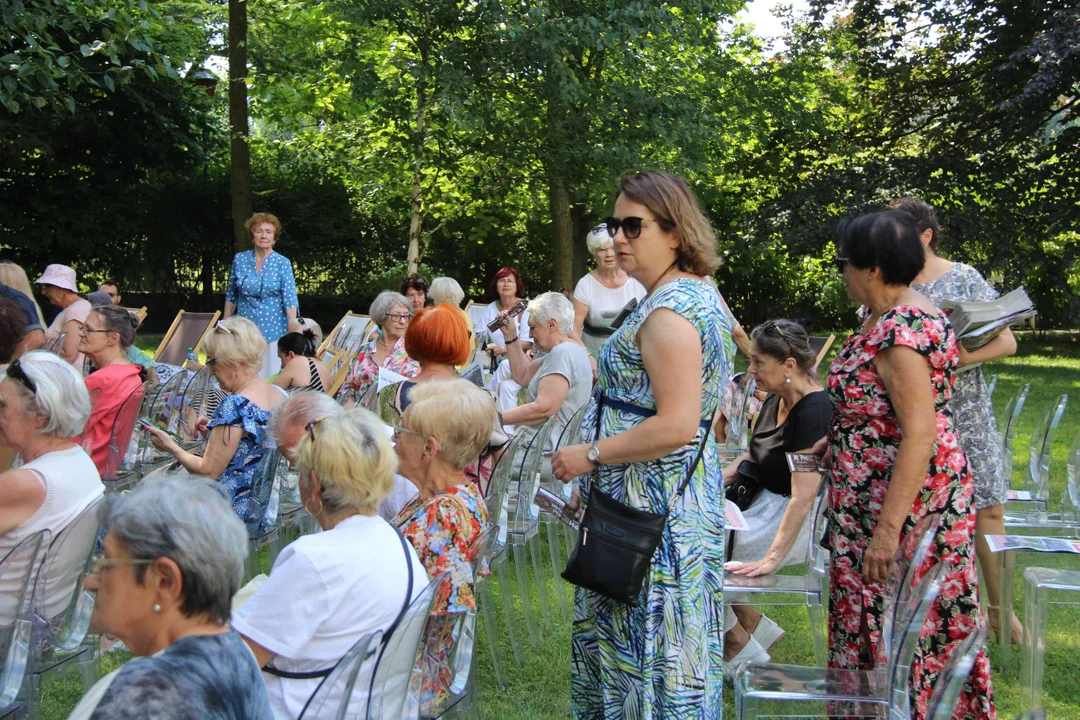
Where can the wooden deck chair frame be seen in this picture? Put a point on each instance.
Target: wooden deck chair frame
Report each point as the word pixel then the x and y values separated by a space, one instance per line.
pixel 340 375
pixel 172 331
pixel 825 349
pixel 333 333
pixel 139 313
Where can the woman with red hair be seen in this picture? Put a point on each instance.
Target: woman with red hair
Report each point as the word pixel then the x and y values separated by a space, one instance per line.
pixel 507 288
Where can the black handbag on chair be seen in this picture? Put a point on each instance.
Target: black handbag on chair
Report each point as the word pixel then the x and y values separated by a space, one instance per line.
pixel 616 543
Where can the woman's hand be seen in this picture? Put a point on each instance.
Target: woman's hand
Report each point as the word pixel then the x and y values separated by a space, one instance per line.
pixel 509 330
pixel 965 356
pixel 729 473
pixel 162 441
pixel 200 425
pixel 574 503
pixel 496 350
pixel 571 462
pixel 879 555
pixel 755 568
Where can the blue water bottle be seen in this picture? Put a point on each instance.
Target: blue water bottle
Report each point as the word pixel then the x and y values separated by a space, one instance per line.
pixel 191 356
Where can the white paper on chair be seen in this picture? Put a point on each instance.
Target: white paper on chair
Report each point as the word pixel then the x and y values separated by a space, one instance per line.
pixel 555 505
pixel 733 517
pixel 998 543
pixel 389 377
pixel 1017 495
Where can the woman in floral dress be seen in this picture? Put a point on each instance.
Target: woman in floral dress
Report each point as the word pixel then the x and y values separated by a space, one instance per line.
pixel 391 311
pixel 942 280
pixel 891 384
pixel 661 659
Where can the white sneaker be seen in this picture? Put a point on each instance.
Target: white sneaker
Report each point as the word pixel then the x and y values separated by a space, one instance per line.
pixel 751 652
pixel 768 633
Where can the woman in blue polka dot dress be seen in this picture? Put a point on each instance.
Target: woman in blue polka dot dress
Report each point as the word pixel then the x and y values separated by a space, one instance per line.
pixel 262 287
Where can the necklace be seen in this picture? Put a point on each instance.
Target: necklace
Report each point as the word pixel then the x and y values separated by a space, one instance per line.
pixel 662 276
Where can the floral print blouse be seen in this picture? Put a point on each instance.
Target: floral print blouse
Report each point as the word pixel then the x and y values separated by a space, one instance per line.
pixel 363 370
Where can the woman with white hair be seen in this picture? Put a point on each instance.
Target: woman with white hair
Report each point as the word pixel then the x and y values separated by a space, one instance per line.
pixel 447 291
pixel 558 383
pixel 328 590
pixel 43 403
pixel 237 433
pixel 391 311
pixel 601 295
pixel 172 559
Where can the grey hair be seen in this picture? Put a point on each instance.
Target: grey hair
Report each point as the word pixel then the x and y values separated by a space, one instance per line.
pixel 446 290
pixel 598 239
pixel 300 408
pixel 384 302
pixel 191 522
pixel 62 398
pixel 553 306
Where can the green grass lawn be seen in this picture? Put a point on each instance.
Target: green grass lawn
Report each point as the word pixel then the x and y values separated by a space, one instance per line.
pixel 540 688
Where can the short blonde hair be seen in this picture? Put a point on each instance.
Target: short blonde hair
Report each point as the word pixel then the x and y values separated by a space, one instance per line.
pixel 353 458
pixel 258 219
pixel 446 290
pixel 456 413
pixel 674 205
pixel 236 342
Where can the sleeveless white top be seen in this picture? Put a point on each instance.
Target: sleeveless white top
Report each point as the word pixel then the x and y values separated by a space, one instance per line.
pixel 71 483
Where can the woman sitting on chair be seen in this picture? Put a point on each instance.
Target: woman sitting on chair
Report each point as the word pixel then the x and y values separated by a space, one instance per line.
pixel 43 403
pixel 446 426
pixel 329 589
pixel 237 432
pixel 794 416
pixel 391 311
pixel 172 560
pixel 299 368
pixel 103 337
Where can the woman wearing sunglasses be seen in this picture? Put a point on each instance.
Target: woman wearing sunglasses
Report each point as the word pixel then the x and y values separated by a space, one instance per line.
pixel 602 294
pixel 262 288
pixel 43 404
pixel 661 377
pixel 238 430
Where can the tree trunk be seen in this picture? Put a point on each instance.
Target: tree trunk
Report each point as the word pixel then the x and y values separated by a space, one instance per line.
pixel 562 232
pixel 208 278
pixel 581 230
pixel 240 153
pixel 416 202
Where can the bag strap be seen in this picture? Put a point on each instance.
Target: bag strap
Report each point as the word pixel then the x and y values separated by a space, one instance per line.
pixel 316 674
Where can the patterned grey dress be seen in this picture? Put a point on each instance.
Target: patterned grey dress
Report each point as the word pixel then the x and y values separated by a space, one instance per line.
pixel 972 410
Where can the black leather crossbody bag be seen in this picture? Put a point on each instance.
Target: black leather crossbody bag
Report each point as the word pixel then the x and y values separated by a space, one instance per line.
pixel 616 543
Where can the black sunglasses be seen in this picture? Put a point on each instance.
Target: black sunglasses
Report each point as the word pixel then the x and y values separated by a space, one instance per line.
pixel 773 327
pixel 631 226
pixel 16 372
pixel 310 427
pixel 840 262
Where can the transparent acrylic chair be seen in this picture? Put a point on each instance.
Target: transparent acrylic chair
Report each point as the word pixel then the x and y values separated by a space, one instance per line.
pixel 991 385
pixel 343 693
pixel 523 532
pixel 1040 585
pixel 161 407
pixel 119 471
pixel 18 569
pixel 1037 480
pixel 571 435
pixel 498 514
pixel 53 346
pixel 450 668
pixel 200 397
pixel 954 674
pixel 1007 424
pixel 907 603
pixel 810 587
pixel 261 516
pixel 62 608
pixel 293 519
pixel 394 692
pixel 738 425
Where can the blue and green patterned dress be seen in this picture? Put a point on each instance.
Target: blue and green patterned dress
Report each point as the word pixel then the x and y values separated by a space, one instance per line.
pixel 662 658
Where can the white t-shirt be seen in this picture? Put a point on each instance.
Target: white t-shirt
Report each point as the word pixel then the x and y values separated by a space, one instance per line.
pixel 489 312
pixel 325 592
pixel 402 493
pixel 604 305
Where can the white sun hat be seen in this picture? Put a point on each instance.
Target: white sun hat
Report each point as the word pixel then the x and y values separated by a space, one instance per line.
pixel 59 275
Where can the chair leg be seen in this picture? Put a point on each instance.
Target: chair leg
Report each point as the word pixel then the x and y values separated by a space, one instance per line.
pixel 818 630
pixel 554 539
pixel 487 611
pixel 1008 569
pixel 1033 658
pixel 517 544
pixel 540 578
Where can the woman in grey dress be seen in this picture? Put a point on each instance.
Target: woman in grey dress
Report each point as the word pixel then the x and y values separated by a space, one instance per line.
pixel 943 280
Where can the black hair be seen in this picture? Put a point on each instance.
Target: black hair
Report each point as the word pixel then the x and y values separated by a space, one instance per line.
pixel 888 240
pixel 783 339
pixel 299 343
pixel 925 217
pixel 415 282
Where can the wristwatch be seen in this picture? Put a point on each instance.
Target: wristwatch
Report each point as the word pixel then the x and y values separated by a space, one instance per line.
pixel 594 455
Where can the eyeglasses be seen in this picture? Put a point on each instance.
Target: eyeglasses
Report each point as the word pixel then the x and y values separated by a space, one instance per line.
pixel 310 427
pixel 15 372
pixel 83 330
pixel 840 262
pixel 101 562
pixel 398 430
pixel 221 328
pixel 631 226
pixel 398 318
pixel 773 327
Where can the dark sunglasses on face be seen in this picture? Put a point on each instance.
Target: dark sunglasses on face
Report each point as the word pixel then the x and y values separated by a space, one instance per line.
pixel 16 372
pixel 631 226
pixel 840 262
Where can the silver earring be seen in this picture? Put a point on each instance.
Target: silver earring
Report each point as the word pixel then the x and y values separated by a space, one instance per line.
pixel 157 608
pixel 787 380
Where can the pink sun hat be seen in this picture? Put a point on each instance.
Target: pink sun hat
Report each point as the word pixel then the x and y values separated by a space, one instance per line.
pixel 59 275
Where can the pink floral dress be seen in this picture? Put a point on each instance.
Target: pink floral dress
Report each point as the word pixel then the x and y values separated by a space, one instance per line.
pixel 363 371
pixel 864 438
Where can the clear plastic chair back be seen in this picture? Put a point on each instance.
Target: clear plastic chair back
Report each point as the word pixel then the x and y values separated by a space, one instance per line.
pixel 18 570
pixel 991 385
pixel 738 426
pixel 1042 439
pixel 263 497
pixel 1070 504
pixel 342 695
pixel 120 461
pixel 496 497
pixel 1010 418
pixel 395 685
pixel 950 683
pixel 53 346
